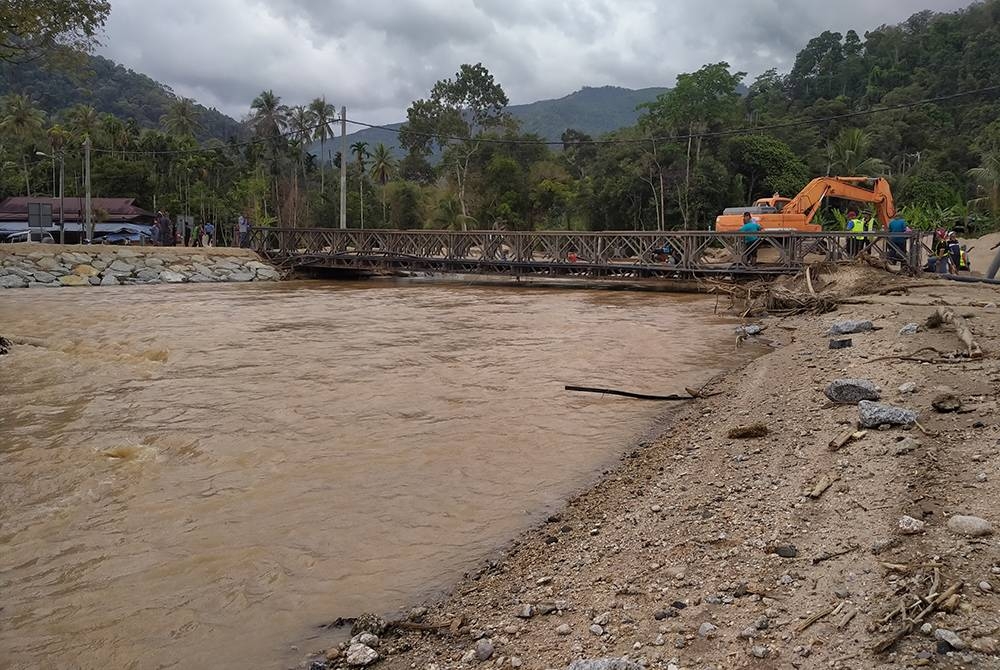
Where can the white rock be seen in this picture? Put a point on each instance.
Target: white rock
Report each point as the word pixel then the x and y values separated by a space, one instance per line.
pixel 985 586
pixel 367 639
pixel 564 629
pixel 707 630
pixel 359 656
pixel 910 526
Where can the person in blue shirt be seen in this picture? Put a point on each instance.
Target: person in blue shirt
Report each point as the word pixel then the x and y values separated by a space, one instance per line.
pixel 751 242
pixel 898 242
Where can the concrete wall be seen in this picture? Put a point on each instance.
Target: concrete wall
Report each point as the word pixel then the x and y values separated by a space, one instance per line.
pixel 53 265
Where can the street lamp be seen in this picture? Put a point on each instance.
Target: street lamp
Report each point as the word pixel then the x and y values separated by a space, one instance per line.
pixel 62 181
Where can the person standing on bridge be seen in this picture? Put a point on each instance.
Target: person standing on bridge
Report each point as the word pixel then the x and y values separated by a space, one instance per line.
pixel 750 242
pixel 243 231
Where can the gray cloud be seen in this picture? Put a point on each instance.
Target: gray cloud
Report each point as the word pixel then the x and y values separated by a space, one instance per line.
pixel 377 56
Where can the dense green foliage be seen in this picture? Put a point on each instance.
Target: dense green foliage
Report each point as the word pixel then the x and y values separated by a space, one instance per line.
pixel 710 142
pixel 33 28
pixel 108 88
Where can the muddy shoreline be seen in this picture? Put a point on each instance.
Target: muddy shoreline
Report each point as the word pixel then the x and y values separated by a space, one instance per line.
pixel 701 551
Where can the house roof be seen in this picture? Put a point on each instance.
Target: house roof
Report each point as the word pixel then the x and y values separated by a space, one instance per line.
pixel 115 209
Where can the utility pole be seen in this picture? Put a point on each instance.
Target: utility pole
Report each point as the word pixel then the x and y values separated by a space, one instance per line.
pixel 62 197
pixel 86 178
pixel 343 168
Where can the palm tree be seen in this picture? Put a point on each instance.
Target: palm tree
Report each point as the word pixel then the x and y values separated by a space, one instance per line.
pixel 360 151
pixel 848 155
pixel 182 118
pixel 383 165
pixel 23 121
pixel 268 116
pixel 323 114
pixel 987 176
pixel 301 124
pixel 83 120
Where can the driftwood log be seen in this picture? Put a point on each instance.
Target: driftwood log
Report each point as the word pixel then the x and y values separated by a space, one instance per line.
pixel 692 394
pixel 946 316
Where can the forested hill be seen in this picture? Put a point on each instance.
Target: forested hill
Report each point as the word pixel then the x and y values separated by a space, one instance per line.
pixel 108 88
pixel 591 110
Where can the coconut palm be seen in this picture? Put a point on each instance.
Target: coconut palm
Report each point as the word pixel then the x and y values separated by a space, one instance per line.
pixel 83 120
pixel 323 114
pixel 360 151
pixel 182 118
pixel 849 155
pixel 987 177
pixel 383 165
pixel 269 117
pixel 23 121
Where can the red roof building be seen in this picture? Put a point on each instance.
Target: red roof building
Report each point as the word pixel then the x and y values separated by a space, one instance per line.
pixel 105 210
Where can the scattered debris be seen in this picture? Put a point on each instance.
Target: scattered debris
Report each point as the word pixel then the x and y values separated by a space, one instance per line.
pixel 845 438
pixel 850 327
pixel 748 432
pixel 841 344
pixel 947 316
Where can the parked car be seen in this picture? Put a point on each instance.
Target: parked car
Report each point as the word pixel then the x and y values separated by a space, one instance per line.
pixel 125 237
pixel 28 235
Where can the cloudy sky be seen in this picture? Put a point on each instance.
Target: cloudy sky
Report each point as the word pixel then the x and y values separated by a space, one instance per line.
pixel 376 56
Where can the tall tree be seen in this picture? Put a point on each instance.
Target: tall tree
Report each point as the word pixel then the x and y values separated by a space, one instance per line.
pixel 849 155
pixel 83 120
pixel 987 178
pixel 324 114
pixel 455 117
pixel 33 28
pixel 20 119
pixel 360 151
pixel 182 118
pixel 383 166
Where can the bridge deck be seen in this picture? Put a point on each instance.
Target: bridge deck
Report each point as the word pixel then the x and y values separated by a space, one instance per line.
pixel 626 255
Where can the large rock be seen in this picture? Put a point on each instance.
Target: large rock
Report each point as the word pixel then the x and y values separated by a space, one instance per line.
pixel 171 277
pixel 109 280
pixel 849 327
pixel 153 262
pixel 873 415
pixel 74 280
pixel 201 279
pixel 852 391
pixel 148 275
pixel 121 268
pixel 44 277
pixel 85 270
pixel 13 281
pixel 267 274
pixel 605 664
pixel 359 656
pixel 47 263
pixel 241 276
pixel 484 650
pixel 973 526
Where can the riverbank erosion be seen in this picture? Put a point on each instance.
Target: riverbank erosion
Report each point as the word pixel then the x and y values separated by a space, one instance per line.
pixel 769 528
pixel 52 265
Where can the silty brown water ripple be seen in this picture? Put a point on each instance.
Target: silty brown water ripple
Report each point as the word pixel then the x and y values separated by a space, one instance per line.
pixel 198 476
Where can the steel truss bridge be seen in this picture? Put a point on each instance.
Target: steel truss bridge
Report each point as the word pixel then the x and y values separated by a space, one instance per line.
pixel 604 255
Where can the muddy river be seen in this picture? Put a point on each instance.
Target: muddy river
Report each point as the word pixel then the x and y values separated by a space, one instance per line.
pixel 198 477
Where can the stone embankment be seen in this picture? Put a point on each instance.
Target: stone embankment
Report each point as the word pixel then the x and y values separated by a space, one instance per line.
pixel 44 266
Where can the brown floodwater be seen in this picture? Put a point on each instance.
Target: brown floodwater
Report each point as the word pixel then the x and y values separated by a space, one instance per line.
pixel 200 476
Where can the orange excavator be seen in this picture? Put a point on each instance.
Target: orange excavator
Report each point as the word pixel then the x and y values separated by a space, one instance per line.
pixel 796 214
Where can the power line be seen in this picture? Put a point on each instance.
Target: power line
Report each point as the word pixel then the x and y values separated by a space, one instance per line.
pixel 294 134
pixel 718 133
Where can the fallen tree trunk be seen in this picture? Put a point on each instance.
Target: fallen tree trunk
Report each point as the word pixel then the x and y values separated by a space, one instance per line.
pixel 640 396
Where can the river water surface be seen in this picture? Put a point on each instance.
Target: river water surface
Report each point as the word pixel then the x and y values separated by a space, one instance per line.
pixel 199 476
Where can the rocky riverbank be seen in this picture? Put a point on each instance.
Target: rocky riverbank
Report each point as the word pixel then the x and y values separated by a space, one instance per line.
pixel 768 528
pixel 51 266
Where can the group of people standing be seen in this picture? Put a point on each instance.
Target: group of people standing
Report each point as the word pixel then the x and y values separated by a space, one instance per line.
pixel 165 233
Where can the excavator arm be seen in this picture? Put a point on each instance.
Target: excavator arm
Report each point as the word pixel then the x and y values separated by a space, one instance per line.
pixel 809 199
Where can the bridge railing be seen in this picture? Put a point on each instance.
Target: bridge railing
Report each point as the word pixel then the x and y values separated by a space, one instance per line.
pixel 689 251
